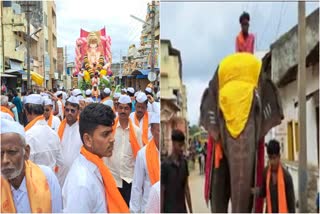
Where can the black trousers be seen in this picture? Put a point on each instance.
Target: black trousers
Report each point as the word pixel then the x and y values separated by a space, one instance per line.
pixel 126 191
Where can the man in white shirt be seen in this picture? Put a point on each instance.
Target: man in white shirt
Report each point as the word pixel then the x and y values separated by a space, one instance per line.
pixel 60 105
pixel 127 143
pixel 52 120
pixel 20 176
pixel 141 117
pixel 147 169
pixel 89 186
pixel 44 142
pixel 70 137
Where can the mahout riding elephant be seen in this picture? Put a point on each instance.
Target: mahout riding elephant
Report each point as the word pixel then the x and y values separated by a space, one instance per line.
pixel 240 105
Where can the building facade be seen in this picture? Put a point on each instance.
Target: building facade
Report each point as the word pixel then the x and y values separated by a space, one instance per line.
pixel 173 96
pixel 283 68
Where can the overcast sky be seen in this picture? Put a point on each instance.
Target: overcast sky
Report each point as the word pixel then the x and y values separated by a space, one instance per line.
pixel 92 15
pixel 205 33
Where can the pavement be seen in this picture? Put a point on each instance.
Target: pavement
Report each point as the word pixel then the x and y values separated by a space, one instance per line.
pixel 196 184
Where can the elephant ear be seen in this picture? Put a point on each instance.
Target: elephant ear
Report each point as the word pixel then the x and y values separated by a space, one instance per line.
pixel 209 107
pixel 272 112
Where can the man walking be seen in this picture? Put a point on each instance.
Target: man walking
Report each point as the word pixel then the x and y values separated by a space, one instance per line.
pixel 175 189
pixel 90 186
pixel 127 144
pixel 147 169
pixel 277 184
pixel 70 137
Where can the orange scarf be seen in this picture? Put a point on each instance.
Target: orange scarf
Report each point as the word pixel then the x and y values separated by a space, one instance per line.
pixel 152 159
pixel 61 128
pixel 115 201
pixel 32 122
pixel 282 200
pixel 132 136
pixel 105 99
pixel 38 191
pixel 50 120
pixel 218 154
pixel 145 126
pixel 6 110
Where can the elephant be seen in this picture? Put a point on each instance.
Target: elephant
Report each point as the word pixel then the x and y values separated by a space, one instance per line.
pixel 236 174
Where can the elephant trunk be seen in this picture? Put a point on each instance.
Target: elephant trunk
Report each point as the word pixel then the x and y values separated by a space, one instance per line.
pixel 241 159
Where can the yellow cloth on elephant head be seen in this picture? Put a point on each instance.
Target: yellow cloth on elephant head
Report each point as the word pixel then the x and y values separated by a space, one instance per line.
pixel 238 77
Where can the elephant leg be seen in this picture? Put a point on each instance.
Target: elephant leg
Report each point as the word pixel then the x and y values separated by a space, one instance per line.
pixel 241 157
pixel 220 188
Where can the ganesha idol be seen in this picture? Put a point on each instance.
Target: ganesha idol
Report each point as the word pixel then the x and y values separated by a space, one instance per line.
pixel 93 55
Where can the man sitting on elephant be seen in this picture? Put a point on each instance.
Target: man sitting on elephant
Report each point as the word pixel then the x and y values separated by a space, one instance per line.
pixel 277 183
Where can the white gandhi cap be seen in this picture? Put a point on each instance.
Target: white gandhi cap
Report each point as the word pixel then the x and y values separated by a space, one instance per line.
pixel 76 92
pixel 73 99
pixel 124 99
pixel 34 99
pixel 8 126
pixel 141 97
pixel 107 90
pixel 88 92
pixel 116 95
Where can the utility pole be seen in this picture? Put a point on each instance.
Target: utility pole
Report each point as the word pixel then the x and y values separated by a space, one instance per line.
pixel 27 12
pixel 302 172
pixel 152 35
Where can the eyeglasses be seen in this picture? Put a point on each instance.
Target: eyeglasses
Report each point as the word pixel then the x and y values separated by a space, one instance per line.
pixel 68 110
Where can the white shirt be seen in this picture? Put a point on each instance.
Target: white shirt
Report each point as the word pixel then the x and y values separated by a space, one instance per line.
pixel 132 117
pixel 21 198
pixel 141 183
pixel 153 204
pixel 83 190
pixel 45 148
pixel 55 123
pixel 59 103
pixel 154 107
pixel 71 144
pixel 121 163
pixel 4 115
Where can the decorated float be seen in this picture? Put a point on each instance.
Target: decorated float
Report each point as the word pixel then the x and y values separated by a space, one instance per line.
pixel 93 59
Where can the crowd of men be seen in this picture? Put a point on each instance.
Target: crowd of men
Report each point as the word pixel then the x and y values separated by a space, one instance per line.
pixel 81 152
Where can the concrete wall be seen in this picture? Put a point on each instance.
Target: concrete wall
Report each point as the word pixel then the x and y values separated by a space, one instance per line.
pixel 284 51
pixel 289 96
pixel 9 36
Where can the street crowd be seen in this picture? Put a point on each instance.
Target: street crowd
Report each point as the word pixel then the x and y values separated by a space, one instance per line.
pixel 81 151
